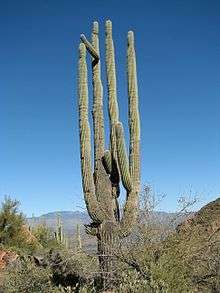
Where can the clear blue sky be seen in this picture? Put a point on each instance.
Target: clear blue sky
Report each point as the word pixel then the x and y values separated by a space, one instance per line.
pixel 178 56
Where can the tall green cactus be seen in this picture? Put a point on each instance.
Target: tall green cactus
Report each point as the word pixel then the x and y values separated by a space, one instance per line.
pixel 102 187
pixel 59 230
pixel 59 234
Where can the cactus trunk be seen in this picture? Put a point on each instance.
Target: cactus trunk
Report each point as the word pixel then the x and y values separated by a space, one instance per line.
pixel 107 244
pixel 101 187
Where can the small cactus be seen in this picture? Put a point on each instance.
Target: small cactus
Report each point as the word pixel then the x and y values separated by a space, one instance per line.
pixel 78 238
pixel 59 234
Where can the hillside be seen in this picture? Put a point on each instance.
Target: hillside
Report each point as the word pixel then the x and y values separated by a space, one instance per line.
pixel 196 247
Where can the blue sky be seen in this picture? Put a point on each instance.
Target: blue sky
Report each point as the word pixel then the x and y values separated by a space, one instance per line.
pixel 178 58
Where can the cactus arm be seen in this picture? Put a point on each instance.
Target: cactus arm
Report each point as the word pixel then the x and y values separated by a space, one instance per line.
pixel 112 106
pixel 111 75
pixel 92 204
pixel 122 157
pixel 111 85
pixel 89 47
pixel 107 161
pixel 134 120
pixel 102 184
pixel 98 120
pixel 130 208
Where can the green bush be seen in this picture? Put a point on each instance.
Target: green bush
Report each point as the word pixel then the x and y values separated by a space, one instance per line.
pixel 11 223
pixel 23 276
pixel 72 269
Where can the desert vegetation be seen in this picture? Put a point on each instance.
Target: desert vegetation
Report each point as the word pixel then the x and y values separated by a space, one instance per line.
pixel 134 247
pixel 179 253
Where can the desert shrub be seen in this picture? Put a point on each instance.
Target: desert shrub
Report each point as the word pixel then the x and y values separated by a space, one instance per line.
pixel 170 273
pixel 70 269
pixel 58 271
pixel 11 223
pixel 14 233
pixel 157 257
pixel 163 257
pixel 73 269
pixel 132 281
pixel 179 263
pixel 152 256
pixel 159 264
pixel 24 276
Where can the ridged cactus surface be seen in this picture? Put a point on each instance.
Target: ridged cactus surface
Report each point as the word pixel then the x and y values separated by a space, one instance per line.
pixel 101 186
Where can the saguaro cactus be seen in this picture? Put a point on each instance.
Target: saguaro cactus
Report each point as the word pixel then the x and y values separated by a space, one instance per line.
pixel 59 230
pixel 78 238
pixel 59 234
pixel 101 187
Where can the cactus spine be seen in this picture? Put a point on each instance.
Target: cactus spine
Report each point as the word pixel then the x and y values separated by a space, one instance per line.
pixel 101 187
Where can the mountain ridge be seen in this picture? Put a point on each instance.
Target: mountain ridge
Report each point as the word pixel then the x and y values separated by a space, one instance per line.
pixel 70 219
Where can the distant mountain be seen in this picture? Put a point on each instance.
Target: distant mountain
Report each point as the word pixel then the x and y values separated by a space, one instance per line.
pixel 69 220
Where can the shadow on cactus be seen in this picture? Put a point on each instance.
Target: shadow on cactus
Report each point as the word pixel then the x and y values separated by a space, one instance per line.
pixel 102 186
